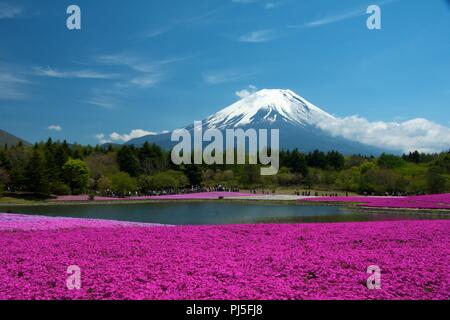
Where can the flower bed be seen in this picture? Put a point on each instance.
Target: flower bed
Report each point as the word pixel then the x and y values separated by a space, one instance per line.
pixel 438 201
pixel 187 196
pixel 305 261
pixel 19 222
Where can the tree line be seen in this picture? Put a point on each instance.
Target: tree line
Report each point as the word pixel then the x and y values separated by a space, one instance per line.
pixel 57 168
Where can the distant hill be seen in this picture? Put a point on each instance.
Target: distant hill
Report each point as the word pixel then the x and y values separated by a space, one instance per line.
pixel 10 140
pixel 105 146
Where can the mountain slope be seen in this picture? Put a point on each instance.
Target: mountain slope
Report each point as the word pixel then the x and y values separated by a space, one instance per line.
pixel 294 116
pixel 10 140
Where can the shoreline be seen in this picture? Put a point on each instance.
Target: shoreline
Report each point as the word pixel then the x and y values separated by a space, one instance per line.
pixel 251 200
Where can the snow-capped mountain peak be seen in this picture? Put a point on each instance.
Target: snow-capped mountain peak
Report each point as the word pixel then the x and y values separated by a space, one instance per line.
pixel 268 106
pixel 299 123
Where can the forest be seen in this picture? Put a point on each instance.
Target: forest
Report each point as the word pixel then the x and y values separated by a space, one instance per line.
pixel 59 168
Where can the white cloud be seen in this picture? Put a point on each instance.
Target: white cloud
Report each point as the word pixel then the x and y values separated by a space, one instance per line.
pixel 147 81
pixel 417 134
pixel 102 138
pixel 224 76
pixel 258 36
pixel 54 127
pixel 246 92
pixel 81 74
pixel 127 60
pixel 101 102
pixel 8 11
pixel 157 32
pixel 120 138
pixel 272 5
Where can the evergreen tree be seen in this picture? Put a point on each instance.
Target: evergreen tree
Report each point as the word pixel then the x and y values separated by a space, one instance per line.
pixel 128 161
pixel 35 177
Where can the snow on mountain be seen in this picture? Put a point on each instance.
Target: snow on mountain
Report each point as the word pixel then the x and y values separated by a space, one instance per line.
pixel 268 105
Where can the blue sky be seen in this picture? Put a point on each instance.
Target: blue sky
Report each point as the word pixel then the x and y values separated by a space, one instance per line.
pixel 160 65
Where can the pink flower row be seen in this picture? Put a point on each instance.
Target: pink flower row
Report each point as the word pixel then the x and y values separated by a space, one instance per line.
pixel 438 201
pixel 304 261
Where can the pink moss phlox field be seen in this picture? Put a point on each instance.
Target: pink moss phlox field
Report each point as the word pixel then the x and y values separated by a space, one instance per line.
pixel 29 223
pixel 437 201
pixel 304 261
pixel 188 196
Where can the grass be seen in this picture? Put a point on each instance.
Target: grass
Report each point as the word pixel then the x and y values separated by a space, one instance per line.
pixel 18 201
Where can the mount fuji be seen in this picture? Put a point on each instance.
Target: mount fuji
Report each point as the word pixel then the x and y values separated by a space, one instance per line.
pixel 295 117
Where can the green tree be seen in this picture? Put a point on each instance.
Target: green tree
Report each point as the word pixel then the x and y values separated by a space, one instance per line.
pixel 101 164
pixel 4 180
pixel 151 158
pixel 381 181
pixel 335 160
pixel 297 163
pixel 123 183
pixel 36 180
pixel 104 184
pixel 349 179
pixel 389 161
pixel 163 180
pixel 76 175
pixel 128 161
pixel 436 181
pixel 194 174
pixel 317 159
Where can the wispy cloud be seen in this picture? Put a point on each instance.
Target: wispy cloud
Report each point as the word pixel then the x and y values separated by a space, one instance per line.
pixel 144 73
pixel 338 17
pixel 201 18
pixel 121 138
pixel 224 76
pixel 54 127
pixel 105 98
pixel 147 81
pixel 265 4
pixel 100 101
pixel 158 31
pixel 80 74
pixel 127 60
pixel 258 36
pixel 330 19
pixel 12 85
pixel 9 11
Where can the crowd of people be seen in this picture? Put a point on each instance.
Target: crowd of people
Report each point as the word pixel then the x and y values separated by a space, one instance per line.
pixel 168 192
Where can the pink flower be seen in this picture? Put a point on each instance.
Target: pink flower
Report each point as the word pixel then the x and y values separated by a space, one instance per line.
pixel 303 261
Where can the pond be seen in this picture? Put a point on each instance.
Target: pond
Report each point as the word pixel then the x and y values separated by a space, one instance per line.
pixel 212 213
